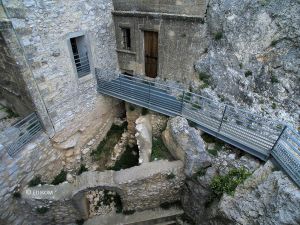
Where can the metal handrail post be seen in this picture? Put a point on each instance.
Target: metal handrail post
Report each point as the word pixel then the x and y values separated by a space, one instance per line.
pixel 222 118
pixel 149 94
pixel 182 102
pixel 279 137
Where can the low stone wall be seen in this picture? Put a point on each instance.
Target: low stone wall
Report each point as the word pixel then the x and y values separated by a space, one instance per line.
pixel 37 157
pixel 141 187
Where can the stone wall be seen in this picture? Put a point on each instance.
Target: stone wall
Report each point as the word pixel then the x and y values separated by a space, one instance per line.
pixel 43 29
pixel 38 157
pixel 140 187
pixel 188 7
pixel 12 85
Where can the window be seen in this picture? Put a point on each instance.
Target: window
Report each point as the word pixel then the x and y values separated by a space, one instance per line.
pixel 126 38
pixel 80 54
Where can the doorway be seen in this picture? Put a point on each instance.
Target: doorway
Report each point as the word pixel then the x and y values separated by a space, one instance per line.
pixel 151 53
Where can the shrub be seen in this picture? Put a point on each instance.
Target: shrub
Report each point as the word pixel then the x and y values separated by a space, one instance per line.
pixel 229 182
pixel 248 73
pixel 35 181
pixel 171 176
pixel 108 143
pixel 82 169
pixel 42 210
pixel 273 43
pixel 11 113
pixel 218 36
pixel 241 65
pixel 274 106
pixel 60 178
pixel 17 194
pixel 205 78
pixel 274 79
pixel 131 107
pixel 200 173
pixel 144 111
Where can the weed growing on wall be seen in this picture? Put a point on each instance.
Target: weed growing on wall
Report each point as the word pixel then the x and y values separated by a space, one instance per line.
pixel 60 178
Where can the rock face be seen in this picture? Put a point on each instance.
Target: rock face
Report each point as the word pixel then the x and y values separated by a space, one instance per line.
pixel 185 143
pixel 267 197
pixel 255 45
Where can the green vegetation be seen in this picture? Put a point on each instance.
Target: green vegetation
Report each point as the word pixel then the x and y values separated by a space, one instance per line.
pixel 82 169
pixel 273 43
pixel 60 178
pixel 109 198
pixel 145 111
pixel 248 73
pixel 196 106
pixel 105 147
pixel 159 150
pixel 42 210
pixel 218 144
pixel 171 176
pixel 228 183
pixel 200 173
pixel 17 194
pixel 205 78
pixel 35 181
pixel 128 159
pixel 274 79
pixel 274 106
pixel 10 113
pixel 211 139
pixel 241 65
pixel 131 107
pixel 218 36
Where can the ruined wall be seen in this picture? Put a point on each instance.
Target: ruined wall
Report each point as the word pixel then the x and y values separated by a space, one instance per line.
pixel 141 187
pixel 38 157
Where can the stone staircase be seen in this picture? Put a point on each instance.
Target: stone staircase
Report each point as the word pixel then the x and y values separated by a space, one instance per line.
pixel 156 216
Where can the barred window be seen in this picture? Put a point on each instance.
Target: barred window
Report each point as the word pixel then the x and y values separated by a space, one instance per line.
pixel 126 38
pixel 80 54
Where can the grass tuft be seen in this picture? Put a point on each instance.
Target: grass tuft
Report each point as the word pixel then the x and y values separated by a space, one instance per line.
pixel 35 181
pixel 60 178
pixel 228 183
pixel 82 169
pixel 159 150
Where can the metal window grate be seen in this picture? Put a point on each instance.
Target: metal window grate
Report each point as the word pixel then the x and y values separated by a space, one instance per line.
pixel 21 133
pixel 126 38
pixel 82 65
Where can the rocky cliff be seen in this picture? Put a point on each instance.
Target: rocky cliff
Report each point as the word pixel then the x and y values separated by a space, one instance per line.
pixel 255 45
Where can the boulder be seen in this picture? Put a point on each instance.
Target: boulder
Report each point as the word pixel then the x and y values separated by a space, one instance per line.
pixel 186 144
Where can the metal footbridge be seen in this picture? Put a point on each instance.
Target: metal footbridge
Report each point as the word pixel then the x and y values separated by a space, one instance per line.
pixel 256 135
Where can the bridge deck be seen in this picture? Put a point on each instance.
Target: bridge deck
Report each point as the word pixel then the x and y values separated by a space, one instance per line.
pixel 256 135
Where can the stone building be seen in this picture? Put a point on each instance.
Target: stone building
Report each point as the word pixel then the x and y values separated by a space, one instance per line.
pixel 49 53
pixel 158 38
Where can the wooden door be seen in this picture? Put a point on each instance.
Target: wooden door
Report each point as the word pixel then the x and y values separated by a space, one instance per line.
pixel 151 53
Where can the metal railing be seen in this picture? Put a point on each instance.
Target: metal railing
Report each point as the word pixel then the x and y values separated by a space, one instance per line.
pixel 82 65
pixel 20 133
pixel 254 134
